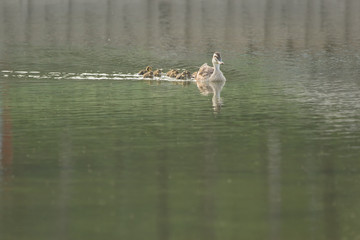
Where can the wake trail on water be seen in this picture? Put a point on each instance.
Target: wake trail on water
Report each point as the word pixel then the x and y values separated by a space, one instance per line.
pixel 83 76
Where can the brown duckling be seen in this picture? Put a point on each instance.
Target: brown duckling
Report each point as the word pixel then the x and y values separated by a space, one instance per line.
pixel 184 75
pixel 194 75
pixel 172 73
pixel 147 69
pixel 157 73
pixel 149 74
pixel 169 72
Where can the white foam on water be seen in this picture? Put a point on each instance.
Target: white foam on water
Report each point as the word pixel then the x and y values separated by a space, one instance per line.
pixel 34 76
pixel 86 76
pixel 55 73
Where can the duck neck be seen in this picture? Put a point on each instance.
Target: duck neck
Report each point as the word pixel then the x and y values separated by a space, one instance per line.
pixel 216 68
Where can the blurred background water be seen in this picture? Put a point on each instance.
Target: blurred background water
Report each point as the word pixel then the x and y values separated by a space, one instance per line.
pixel 90 150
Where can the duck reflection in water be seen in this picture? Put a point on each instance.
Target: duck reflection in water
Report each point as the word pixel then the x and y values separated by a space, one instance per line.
pixel 211 80
pixel 207 87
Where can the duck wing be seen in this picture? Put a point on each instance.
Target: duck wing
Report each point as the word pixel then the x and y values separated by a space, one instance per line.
pixel 204 72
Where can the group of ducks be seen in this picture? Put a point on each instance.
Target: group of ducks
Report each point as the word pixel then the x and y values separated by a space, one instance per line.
pixel 205 72
pixel 173 73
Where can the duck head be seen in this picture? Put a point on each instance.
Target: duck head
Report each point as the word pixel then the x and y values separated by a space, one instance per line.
pixel 217 59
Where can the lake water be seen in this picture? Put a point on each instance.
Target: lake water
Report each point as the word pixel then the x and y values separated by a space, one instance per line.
pixel 90 150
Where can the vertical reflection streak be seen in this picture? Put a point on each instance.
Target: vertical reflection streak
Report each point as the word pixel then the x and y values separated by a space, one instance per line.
pixel 247 27
pixel 347 21
pixel 309 21
pixel 208 196
pixel 331 215
pixel 109 13
pixel 165 13
pixel 6 154
pixel 6 135
pixel 149 22
pixel 187 25
pixel 69 21
pixel 65 178
pixel 89 26
pixel 229 21
pixel 268 18
pixel 50 26
pixel 128 28
pixel 289 25
pixel 163 191
pixel 274 184
pixel 29 16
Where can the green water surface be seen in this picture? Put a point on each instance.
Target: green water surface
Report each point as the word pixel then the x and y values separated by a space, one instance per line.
pixel 88 153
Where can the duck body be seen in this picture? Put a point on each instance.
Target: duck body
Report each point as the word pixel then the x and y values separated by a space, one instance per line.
pixel 184 75
pixel 157 73
pixel 172 73
pixel 169 72
pixel 194 75
pixel 211 73
pixel 147 69
pixel 204 73
pixel 149 74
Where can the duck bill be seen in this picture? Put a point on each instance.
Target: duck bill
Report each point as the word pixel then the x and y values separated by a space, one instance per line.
pixel 221 62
